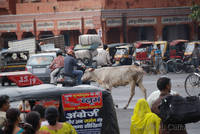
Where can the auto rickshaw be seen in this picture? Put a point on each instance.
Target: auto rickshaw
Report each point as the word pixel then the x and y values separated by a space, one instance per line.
pixel 88 109
pixel 121 53
pixel 143 54
pixel 190 47
pixel 12 61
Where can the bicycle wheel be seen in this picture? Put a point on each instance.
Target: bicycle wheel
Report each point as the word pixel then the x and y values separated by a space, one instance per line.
pixel 178 66
pixel 192 84
pixel 170 65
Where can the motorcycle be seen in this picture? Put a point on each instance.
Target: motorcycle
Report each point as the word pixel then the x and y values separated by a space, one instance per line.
pixel 69 80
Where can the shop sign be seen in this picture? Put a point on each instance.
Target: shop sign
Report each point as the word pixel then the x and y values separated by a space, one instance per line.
pixel 69 24
pixel 141 21
pixel 82 111
pixel 89 23
pixel 26 26
pixel 8 27
pixel 175 19
pixel 113 22
pixel 45 25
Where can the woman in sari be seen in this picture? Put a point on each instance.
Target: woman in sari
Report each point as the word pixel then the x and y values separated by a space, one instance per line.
pixel 143 121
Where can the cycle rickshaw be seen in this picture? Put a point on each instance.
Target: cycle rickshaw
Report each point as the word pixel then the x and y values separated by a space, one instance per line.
pixel 176 55
pixel 143 55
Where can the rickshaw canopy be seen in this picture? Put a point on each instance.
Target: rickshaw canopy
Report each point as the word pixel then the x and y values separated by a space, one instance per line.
pixel 176 42
pixel 190 47
pixel 163 46
pixel 113 45
pixel 142 44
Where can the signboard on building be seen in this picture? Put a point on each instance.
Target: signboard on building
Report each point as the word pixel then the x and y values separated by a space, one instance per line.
pixel 8 27
pixel 45 25
pixel 68 24
pixel 82 111
pixel 89 23
pixel 26 26
pixel 175 19
pixel 113 22
pixel 141 21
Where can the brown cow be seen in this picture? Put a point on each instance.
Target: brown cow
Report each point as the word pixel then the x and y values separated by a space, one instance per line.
pixel 109 77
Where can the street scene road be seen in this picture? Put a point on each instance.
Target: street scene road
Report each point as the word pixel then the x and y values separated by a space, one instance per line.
pixel 121 95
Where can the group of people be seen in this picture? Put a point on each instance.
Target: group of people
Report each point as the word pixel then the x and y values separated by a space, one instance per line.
pixel 69 63
pixel 38 121
pixel 146 117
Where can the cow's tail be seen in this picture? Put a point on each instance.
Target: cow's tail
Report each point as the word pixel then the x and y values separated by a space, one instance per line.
pixel 140 75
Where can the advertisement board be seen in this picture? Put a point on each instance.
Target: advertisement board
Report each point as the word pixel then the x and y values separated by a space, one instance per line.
pixel 82 111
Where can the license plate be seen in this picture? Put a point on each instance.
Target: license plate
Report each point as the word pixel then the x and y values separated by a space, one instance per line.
pixel 39 70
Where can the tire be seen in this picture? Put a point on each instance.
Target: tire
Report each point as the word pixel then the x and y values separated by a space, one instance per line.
pixel 170 65
pixel 192 84
pixel 163 68
pixel 178 66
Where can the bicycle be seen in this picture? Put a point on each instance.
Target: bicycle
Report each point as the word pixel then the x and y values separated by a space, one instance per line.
pixel 192 84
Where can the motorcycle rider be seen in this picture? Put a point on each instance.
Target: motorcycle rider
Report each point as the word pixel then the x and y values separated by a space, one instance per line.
pixel 55 66
pixel 69 63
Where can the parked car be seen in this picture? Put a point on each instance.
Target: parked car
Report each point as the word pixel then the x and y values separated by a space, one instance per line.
pixel 38 64
pixel 88 108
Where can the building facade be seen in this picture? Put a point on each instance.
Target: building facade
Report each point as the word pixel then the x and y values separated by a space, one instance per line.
pixel 114 20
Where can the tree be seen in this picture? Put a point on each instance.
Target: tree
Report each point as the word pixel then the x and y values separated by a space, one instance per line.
pixel 195 16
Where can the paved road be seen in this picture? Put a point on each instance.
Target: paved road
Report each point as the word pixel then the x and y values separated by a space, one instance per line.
pixel 121 94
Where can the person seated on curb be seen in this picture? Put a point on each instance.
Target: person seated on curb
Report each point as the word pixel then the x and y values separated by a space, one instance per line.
pixel 143 121
pixel 164 85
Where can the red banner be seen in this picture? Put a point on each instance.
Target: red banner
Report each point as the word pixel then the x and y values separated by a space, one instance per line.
pixel 78 101
pixel 47 103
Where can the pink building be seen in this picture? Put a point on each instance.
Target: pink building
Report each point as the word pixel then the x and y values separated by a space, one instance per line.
pixel 113 20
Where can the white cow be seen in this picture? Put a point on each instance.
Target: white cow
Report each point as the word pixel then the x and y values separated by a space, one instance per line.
pixel 109 77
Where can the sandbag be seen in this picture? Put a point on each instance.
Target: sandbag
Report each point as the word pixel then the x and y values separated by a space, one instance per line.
pixel 180 110
pixel 88 39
